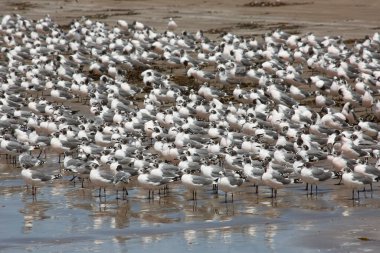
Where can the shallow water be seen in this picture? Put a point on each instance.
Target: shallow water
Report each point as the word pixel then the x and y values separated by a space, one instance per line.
pixel 67 218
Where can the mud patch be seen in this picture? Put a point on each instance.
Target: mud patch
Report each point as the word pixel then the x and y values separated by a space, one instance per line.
pixel 291 28
pixel 352 41
pixel 113 13
pixel 175 17
pixel 273 4
pixel 22 6
pixel 219 30
pixel 248 25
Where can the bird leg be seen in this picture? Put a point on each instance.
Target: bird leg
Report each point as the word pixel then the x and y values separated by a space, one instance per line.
pixel 73 179
pixel 100 189
pixel 125 192
pixel 193 195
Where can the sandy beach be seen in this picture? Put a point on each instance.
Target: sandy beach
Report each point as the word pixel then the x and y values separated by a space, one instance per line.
pixel 68 218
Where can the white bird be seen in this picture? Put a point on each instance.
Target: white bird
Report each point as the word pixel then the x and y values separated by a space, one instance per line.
pixel 254 172
pixel 100 178
pixel 229 182
pixel 36 178
pixel 355 180
pixel 274 180
pixel 152 182
pixel 120 181
pixel 367 170
pixel 28 161
pixel 314 175
pixel 172 25
pixel 195 182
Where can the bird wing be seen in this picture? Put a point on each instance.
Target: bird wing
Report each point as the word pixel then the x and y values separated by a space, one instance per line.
pixel 280 178
pixel 199 180
pixel 39 175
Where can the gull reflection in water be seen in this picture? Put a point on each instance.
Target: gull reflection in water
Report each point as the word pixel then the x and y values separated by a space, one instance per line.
pixel 190 236
pixel 122 215
pixel 34 211
pixel 149 239
pixel 251 231
pixel 120 244
pixel 227 235
pixel 270 233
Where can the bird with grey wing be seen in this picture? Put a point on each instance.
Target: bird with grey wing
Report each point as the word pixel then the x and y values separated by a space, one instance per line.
pixel 28 161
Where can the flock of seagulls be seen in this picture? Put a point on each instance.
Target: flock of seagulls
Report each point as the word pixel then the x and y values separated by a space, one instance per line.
pixel 176 106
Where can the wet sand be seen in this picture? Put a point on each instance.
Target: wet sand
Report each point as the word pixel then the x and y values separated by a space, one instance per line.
pixel 68 218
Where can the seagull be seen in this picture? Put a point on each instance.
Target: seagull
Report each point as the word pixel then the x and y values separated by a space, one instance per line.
pixel 28 161
pixel 123 24
pixel 186 165
pixel 121 180
pixel 172 25
pixel 321 100
pixel 36 178
pixel 13 147
pixel 101 138
pixel 151 182
pixel 100 178
pixel 370 128
pixel 229 182
pixel 349 150
pixel 60 146
pixel 275 180
pixel 61 95
pixel 281 156
pixel 355 180
pixel 367 170
pixel 254 172
pixel 297 93
pixel 211 171
pixel 165 170
pixel 40 141
pixel 313 175
pixel 83 171
pixel 195 182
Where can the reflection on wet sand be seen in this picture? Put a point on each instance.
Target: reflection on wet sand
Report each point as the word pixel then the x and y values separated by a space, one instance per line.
pixel 34 211
pixel 190 236
pixel 270 233
pixel 75 211
pixel 122 216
